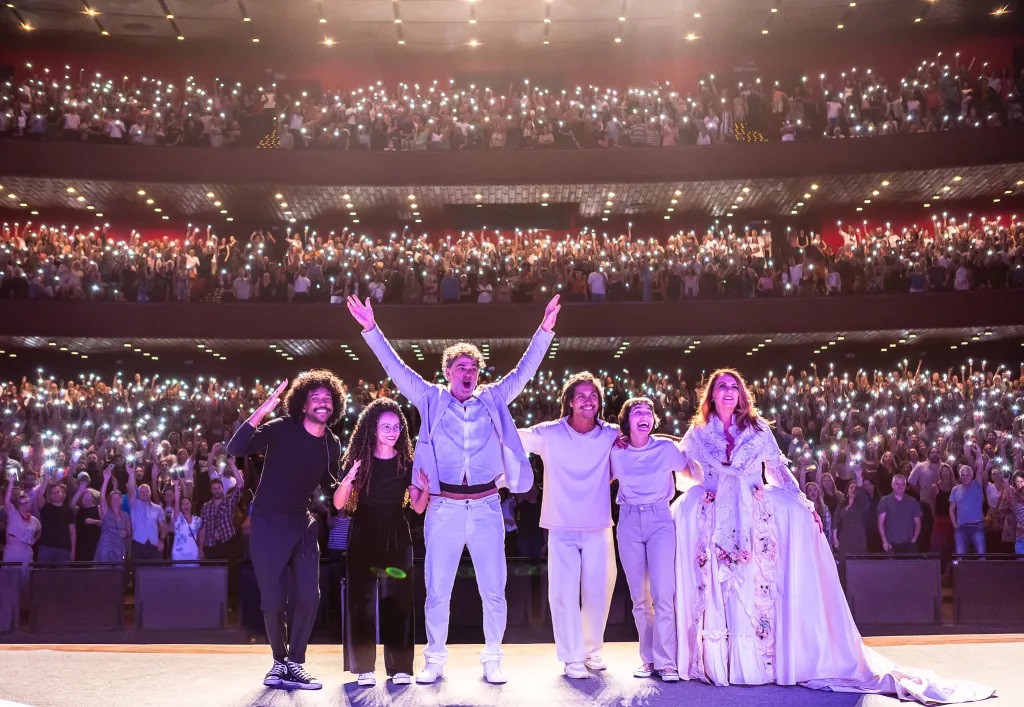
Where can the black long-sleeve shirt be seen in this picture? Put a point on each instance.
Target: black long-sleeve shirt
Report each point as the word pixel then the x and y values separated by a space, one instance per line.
pixel 296 462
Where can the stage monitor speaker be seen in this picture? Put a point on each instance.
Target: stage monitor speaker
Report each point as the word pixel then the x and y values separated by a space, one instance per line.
pixel 876 589
pixel 76 598
pixel 176 597
pixel 988 590
pixel 10 596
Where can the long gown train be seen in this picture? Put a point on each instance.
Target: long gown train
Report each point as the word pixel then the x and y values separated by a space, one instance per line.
pixel 758 598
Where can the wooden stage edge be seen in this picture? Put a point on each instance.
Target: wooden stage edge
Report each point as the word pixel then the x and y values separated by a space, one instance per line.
pixel 177 648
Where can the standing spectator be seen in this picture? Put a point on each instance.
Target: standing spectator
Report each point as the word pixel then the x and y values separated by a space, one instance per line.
pixel 116 524
pixel 850 524
pixel 186 527
pixel 966 502
pixel 23 529
pixel 242 287
pixel 942 529
pixel 57 542
pixel 1012 503
pixel 302 285
pixel 147 518
pixel 218 538
pixel 87 520
pixel 899 519
pixel 922 479
pixel 449 288
pixel 598 286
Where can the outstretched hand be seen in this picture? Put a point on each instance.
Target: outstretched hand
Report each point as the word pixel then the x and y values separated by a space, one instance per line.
pixel 550 314
pixel 350 477
pixel 362 312
pixel 275 397
pixel 421 480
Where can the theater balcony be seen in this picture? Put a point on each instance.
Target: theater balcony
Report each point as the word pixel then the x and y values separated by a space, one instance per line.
pixel 776 179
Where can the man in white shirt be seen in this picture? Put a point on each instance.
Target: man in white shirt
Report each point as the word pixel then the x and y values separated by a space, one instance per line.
pixel 598 286
pixel 302 285
pixel 146 519
pixel 577 512
pixel 242 287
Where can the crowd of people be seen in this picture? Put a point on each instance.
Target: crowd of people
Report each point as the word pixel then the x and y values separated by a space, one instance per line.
pixel 138 467
pixel 71 263
pixel 75 105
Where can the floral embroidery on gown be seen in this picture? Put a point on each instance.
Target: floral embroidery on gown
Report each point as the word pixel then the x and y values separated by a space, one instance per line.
pixel 758 598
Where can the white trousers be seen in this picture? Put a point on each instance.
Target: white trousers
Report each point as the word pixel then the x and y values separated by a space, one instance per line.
pixel 450 526
pixel 647 550
pixel 581 564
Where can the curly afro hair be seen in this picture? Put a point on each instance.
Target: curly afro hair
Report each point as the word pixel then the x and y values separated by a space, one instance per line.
pixel 305 383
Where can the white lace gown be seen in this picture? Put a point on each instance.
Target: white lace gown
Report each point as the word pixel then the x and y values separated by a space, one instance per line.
pixel 758 598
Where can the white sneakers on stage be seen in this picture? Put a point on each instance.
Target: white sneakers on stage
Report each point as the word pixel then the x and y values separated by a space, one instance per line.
pixel 576 671
pixel 401 679
pixel 430 673
pixel 366 680
pixel 594 662
pixel 493 673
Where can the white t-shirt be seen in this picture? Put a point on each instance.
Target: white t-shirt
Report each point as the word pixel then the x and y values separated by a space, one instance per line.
pixel 577 474
pixel 301 284
pixel 597 283
pixel 645 474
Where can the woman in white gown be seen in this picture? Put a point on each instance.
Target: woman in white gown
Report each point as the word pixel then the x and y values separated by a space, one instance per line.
pixel 758 598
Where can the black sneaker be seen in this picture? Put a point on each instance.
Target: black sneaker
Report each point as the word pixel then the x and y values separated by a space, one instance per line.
pixel 276 675
pixel 297 677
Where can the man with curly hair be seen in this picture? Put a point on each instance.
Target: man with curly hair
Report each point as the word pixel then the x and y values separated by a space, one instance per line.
pixel 301 454
pixel 468 446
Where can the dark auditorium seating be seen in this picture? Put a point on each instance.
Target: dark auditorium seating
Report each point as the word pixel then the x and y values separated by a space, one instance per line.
pixel 76 598
pixel 988 591
pixel 876 588
pixel 181 597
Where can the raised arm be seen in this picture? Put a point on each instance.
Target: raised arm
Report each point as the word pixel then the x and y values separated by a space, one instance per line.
pixel 509 387
pixel 344 489
pixel 177 502
pixel 11 475
pixel 103 490
pixel 409 382
pixel 132 490
pixel 252 436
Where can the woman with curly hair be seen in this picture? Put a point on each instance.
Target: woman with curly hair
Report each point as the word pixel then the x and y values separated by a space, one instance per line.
pixel 375 488
pixel 302 454
pixel 755 577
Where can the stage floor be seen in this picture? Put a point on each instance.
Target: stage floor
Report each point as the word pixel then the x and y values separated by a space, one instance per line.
pixel 177 675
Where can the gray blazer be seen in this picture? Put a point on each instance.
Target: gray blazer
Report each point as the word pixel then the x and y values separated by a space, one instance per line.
pixel 432 401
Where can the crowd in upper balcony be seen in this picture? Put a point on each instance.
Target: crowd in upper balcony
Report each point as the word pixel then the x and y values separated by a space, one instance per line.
pixel 71 104
pixel 301 266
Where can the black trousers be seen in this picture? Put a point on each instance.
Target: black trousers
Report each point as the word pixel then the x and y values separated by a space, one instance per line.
pixel 286 560
pixel 379 553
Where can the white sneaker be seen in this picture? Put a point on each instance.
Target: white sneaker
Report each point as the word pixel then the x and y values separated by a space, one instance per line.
pixel 669 675
pixel 594 662
pixel 644 671
pixel 430 673
pixel 401 679
pixel 576 671
pixel 366 680
pixel 493 673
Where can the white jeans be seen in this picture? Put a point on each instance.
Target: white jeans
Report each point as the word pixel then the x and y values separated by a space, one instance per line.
pixel 580 563
pixel 647 550
pixel 450 526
